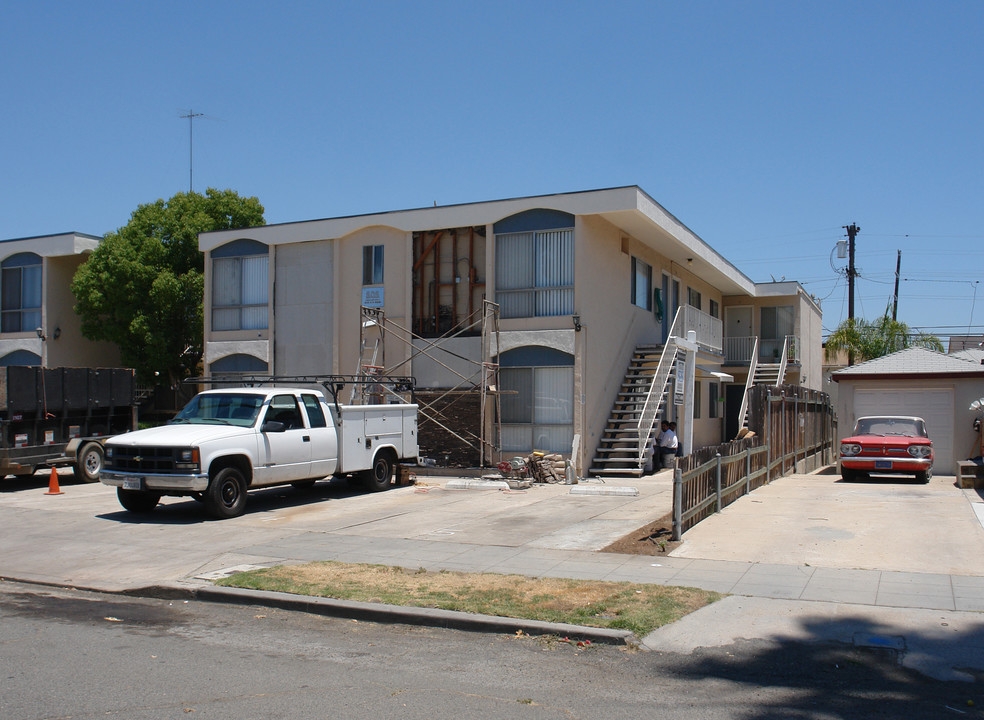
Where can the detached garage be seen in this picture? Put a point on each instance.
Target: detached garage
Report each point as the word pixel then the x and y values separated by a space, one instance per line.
pixel 936 387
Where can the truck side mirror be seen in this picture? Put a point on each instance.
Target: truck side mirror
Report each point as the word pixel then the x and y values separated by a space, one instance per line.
pixel 273 426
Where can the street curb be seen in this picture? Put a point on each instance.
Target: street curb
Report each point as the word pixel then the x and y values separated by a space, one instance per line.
pixel 378 612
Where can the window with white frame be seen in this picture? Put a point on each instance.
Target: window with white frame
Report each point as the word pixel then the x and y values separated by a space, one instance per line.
pixel 693 298
pixel 534 264
pixel 642 284
pixel 240 286
pixel 20 287
pixel 372 264
pixel 537 401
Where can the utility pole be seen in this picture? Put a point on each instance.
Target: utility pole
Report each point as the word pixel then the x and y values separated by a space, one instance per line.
pixel 852 231
pixel 191 142
pixel 895 302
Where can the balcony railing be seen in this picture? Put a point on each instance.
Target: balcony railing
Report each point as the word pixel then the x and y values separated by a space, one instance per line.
pixel 709 329
pixel 740 349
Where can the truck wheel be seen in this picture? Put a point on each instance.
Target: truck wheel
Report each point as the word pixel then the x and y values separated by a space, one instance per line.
pixel 378 477
pixel 138 501
pixel 226 494
pixel 90 460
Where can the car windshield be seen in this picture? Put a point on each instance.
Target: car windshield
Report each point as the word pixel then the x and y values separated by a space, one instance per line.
pixel 221 409
pixel 908 427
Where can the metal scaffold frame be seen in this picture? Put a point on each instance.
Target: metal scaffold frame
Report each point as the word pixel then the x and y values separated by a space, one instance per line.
pixel 373 328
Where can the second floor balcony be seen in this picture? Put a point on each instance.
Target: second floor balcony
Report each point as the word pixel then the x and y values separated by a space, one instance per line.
pixel 738 350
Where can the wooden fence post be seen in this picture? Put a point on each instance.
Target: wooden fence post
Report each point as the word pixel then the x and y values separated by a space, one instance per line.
pixel 748 470
pixel 677 504
pixel 717 481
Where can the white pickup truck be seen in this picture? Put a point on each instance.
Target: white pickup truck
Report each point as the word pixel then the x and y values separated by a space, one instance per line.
pixel 226 442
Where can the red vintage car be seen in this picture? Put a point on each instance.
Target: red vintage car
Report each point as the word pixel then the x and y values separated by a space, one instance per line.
pixel 887 444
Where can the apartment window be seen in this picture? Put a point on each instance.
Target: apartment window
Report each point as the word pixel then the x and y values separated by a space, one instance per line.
pixel 712 400
pixel 20 287
pixel 537 403
pixel 534 264
pixel 642 284
pixel 715 309
pixel 372 265
pixel 240 286
pixel 777 323
pixel 697 385
pixel 693 298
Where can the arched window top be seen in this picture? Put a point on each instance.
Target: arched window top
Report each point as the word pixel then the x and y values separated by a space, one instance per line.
pixel 22 259
pixel 534 220
pixel 20 357
pixel 241 248
pixel 535 356
pixel 239 363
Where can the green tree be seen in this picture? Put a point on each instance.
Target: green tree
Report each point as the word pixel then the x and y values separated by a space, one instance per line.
pixel 142 288
pixel 870 339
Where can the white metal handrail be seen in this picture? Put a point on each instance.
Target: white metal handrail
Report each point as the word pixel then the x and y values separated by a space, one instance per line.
pixel 709 329
pixel 752 367
pixel 739 349
pixel 782 362
pixel 650 409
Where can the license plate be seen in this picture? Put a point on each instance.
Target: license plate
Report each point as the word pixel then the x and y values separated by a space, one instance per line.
pixel 133 484
pixel 883 464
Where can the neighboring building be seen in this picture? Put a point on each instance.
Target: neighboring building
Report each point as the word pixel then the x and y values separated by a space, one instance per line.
pixel 917 382
pixel 956 343
pixel 584 283
pixel 38 324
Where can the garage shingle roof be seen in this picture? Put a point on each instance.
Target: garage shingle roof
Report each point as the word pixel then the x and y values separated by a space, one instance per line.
pixel 915 361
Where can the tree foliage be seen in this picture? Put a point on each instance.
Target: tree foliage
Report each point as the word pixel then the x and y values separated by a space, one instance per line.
pixel 870 339
pixel 142 288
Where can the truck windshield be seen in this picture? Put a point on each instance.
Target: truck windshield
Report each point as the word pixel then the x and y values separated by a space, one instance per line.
pixel 221 409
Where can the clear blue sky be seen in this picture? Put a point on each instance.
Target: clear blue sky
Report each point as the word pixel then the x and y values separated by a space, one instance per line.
pixel 763 126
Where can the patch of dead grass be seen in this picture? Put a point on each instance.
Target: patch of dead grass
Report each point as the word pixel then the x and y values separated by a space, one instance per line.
pixel 631 606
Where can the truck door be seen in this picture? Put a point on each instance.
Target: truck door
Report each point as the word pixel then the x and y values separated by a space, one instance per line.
pixel 285 456
pixel 324 443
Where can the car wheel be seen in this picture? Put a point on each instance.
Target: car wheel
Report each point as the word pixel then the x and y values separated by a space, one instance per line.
pixel 138 501
pixel 90 460
pixel 924 477
pixel 226 494
pixel 379 476
pixel 849 475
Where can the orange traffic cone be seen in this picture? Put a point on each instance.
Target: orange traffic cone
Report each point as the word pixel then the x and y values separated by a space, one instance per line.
pixel 53 488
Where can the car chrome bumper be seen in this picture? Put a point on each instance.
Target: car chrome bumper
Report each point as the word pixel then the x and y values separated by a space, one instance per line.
pixel 164 483
pixel 887 464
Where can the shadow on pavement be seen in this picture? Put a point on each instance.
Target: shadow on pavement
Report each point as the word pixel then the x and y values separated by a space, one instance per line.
pixel 861 679
pixel 187 511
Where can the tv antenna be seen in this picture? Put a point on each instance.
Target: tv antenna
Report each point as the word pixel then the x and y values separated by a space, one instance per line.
pixel 191 115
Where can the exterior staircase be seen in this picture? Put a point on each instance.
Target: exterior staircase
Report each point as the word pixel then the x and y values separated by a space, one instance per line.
pixel 762 374
pixel 618 449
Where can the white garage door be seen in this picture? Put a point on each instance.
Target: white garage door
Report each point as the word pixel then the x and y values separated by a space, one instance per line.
pixel 933 406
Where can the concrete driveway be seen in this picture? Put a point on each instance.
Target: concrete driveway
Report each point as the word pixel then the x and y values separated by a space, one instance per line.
pixel 822 521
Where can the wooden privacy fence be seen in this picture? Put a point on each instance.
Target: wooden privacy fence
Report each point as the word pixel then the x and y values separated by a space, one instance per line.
pixel 795 428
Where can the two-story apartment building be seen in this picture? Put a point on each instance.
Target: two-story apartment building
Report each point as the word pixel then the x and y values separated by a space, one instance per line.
pixel 588 286
pixel 38 325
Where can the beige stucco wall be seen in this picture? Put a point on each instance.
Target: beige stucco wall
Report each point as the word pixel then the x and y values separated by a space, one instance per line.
pixel 397 261
pixel 69 349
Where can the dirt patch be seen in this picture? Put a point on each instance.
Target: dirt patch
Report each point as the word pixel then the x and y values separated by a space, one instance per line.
pixel 651 539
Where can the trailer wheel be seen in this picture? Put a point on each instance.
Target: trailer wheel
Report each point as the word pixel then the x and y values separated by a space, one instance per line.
pixel 90 461
pixel 379 476
pixel 138 501
pixel 226 494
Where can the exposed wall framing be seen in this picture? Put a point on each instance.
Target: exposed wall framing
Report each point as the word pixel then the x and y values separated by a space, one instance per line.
pixel 448 279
